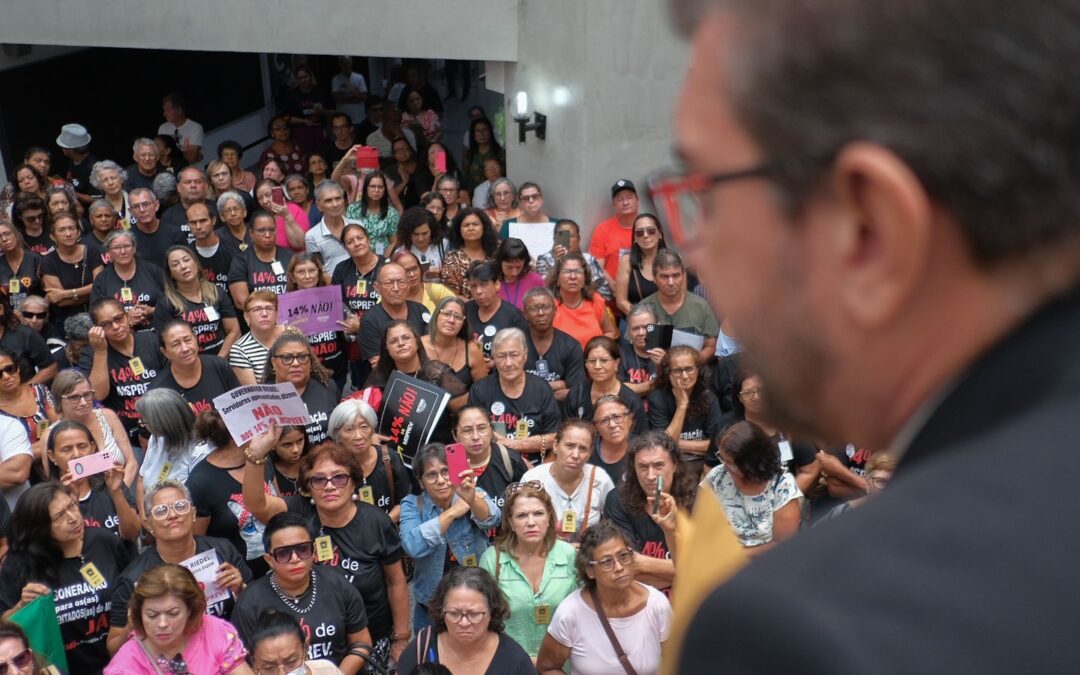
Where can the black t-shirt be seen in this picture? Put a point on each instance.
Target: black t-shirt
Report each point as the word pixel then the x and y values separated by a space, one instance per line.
pixel 494 477
pixel 357 290
pixel 361 549
pixel 41 244
pixel 373 326
pixel 220 497
pixel 28 275
pixel 509 658
pixel 536 406
pixel 27 344
pixel 71 276
pixel 143 289
pixel 79 175
pixel 646 537
pixel 482 332
pixel 150 559
pixel 801 453
pixel 259 275
pixel 125 387
pixel 338 610
pixel 695 428
pixel 216 266
pixel 579 404
pixel 96 247
pixel 237 246
pixel 329 347
pixel 380 483
pixel 286 487
pixel 210 332
pixel 616 470
pixel 98 509
pixel 135 179
pixel 722 381
pixel 564 360
pixel 320 399
pixel 175 217
pixel 217 378
pixel 152 247
pixel 80 609
pixel 634 369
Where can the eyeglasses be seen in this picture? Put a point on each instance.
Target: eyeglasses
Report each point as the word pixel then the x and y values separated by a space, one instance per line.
pixel 533 485
pixel 434 476
pixel 290 665
pixel 141 206
pixel 265 230
pixel 625 557
pixel 573 271
pixel 180 507
pixel 72 509
pixel 394 283
pixel 289 359
pixel 403 340
pixel 7 371
pixel 338 480
pixel 540 309
pixel 303 551
pixel 478 430
pixel 751 393
pixel 879 482
pixel 117 320
pixel 76 398
pixel 529 198
pixel 598 363
pixel 20 661
pixel 678 196
pixel 264 309
pixel 688 370
pixel 455 616
pixel 646 232
pixel 35 315
pixel 231 209
pixel 613 420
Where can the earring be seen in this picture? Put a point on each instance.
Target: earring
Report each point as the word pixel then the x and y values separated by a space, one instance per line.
pixel 354 497
pixel 312 500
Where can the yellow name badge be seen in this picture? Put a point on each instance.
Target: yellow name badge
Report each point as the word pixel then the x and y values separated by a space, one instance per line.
pixel 367 495
pixel 90 572
pixel 522 430
pixel 125 223
pixel 126 295
pixel 361 287
pixel 324 548
pixel 542 614
pixel 469 561
pixel 137 367
pixel 14 286
pixel 569 522
pixel 166 469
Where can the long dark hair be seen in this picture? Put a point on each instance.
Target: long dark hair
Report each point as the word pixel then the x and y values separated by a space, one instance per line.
pixel 381 373
pixel 699 395
pixel 34 555
pixel 414 217
pixel 384 203
pixel 489 239
pixel 635 250
pixel 683 485
pixel 754 454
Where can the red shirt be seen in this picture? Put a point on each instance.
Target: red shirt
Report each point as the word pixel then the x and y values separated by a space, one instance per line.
pixel 609 241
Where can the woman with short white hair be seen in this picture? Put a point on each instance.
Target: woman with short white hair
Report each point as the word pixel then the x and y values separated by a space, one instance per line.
pixel 386 480
pixel 109 177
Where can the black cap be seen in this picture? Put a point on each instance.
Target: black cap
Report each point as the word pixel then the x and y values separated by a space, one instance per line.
pixel 620 185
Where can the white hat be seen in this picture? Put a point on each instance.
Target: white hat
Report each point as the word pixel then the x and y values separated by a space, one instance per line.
pixel 73 136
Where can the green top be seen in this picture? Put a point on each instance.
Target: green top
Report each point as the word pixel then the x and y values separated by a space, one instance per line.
pixel 559 580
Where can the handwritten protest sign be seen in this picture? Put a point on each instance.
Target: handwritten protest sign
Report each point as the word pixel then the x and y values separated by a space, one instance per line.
pixel 204 566
pixel 312 310
pixel 248 410
pixel 537 237
pixel 411 410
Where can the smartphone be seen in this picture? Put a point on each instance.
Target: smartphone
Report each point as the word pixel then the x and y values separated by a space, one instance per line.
pixel 425 266
pixel 277 195
pixel 656 497
pixel 99 462
pixel 500 428
pixel 563 239
pixel 440 161
pixel 658 336
pixel 456 461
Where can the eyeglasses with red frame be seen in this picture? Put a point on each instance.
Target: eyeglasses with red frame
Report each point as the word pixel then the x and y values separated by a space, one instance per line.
pixel 678 196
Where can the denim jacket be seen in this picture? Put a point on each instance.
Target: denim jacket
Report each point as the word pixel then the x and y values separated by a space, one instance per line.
pixel 426 545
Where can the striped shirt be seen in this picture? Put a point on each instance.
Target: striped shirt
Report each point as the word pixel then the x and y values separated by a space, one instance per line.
pixel 249 353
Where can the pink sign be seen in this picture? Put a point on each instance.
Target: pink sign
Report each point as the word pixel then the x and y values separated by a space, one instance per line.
pixel 312 310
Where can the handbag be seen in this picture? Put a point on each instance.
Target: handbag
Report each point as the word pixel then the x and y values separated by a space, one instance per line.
pixel 623 658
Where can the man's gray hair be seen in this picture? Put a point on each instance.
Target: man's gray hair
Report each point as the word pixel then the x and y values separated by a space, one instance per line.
pixel 144 142
pixel 325 185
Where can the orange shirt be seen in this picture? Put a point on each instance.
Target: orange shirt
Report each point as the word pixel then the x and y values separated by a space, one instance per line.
pixel 583 322
pixel 609 241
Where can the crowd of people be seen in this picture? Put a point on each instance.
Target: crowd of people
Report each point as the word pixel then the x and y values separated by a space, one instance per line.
pixel 590 387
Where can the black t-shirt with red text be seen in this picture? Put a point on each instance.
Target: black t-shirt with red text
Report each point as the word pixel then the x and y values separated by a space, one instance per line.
pixel 646 537
pixel 98 509
pixel 216 266
pixel 42 244
pixel 259 275
pixel 329 348
pixel 217 378
pixel 357 290
pixel 482 332
pixel 634 369
pixel 534 412
pixel 142 289
pixel 125 387
pixel 206 320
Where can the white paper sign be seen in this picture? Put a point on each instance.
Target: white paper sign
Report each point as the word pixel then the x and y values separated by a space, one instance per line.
pixel 682 337
pixel 248 410
pixel 204 566
pixel 539 238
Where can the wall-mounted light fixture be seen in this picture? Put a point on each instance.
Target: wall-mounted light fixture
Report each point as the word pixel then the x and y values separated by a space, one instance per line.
pixel 521 116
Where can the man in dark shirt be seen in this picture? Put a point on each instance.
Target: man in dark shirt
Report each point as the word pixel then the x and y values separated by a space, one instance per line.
pixel 214 258
pixel 487 312
pixel 152 237
pixel 393 287
pixel 554 356
pixel 141 174
pixel 192 187
pixel 74 140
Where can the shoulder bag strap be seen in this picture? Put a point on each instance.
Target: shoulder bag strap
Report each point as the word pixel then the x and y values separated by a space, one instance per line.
pixel 588 501
pixel 497 564
pixel 506 460
pixel 389 474
pixel 423 641
pixel 623 658
pixel 149 656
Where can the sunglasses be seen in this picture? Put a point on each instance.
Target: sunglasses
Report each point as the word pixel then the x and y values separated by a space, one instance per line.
pixel 284 554
pixel 9 370
pixel 20 661
pixel 338 480
pixel 35 315
pixel 533 485
pixel 179 507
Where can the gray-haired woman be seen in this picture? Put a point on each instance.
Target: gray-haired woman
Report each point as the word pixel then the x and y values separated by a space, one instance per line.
pixel 232 208
pixel 134 283
pixel 102 216
pixel 173 449
pixel 386 480
pixel 109 177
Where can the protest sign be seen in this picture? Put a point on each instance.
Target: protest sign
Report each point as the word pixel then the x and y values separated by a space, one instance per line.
pixel 411 410
pixel 38 620
pixel 312 310
pixel 248 410
pixel 204 566
pixel 537 237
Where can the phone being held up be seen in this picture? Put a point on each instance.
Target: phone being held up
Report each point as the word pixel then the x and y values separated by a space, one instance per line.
pixel 457 460
pixel 656 496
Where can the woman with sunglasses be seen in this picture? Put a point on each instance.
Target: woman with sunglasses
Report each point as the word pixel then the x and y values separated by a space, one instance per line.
pixel 534 569
pixel 29 404
pixel 30 216
pixel 602 358
pixel 444 526
pixel 261 267
pixel 104 501
pixel 135 284
pixel 291 360
pixel 67 273
pixel 191 298
pixel 216 486
pixel 611 599
pixel 52 551
pixel 682 404
pixel 385 480
pixel 357 538
pixel 25 342
pixel 634 278
pixel 169 517
pixel 34 314
pixel 16 656
pixel 314 594
pixel 173 632
pixel 199 378
pixel 448 340
pixel 75 397
pixel 580 311
pixel 20 268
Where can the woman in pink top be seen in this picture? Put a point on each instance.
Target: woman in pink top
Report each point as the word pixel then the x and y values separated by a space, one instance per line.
pixel 292 222
pixel 579 310
pixel 172 634
pixel 516 276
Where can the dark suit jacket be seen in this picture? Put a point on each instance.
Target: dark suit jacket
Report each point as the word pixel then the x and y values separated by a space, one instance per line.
pixel 968 563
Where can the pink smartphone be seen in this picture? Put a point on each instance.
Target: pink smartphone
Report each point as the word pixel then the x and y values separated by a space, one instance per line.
pixel 440 161
pixel 99 462
pixel 277 195
pixel 456 461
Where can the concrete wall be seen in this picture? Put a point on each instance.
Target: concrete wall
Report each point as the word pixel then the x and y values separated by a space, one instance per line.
pixel 606 72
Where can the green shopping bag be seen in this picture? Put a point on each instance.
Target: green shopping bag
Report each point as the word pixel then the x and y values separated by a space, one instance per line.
pixel 38 620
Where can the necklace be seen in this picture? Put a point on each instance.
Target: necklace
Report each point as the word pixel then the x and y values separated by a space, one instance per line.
pixel 291 601
pixel 438 353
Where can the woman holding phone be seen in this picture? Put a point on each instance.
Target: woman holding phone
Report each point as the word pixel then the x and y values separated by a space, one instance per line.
pixel 290 219
pixel 75 399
